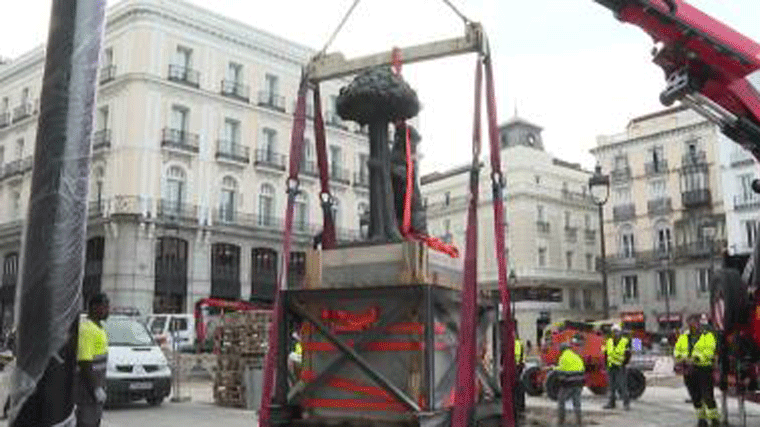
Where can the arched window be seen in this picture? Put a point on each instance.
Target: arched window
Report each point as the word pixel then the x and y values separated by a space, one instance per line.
pixel 227 199
pixel 174 192
pixel 627 246
pixel 300 213
pixel 266 206
pixel 662 239
pixel 263 274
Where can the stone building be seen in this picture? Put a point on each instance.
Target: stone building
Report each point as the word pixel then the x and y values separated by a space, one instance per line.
pixel 189 156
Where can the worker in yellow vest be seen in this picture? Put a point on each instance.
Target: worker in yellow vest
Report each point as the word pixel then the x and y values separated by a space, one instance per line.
pixel 695 353
pixel 617 353
pixel 572 370
pixel 92 357
pixel 519 391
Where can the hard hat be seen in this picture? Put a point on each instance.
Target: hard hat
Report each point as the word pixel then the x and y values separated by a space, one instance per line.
pixel 616 327
pixel 703 319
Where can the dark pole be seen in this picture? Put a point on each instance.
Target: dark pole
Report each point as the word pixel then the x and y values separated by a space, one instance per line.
pixel 606 301
pixel 50 290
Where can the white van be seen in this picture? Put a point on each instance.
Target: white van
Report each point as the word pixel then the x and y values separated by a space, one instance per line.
pixel 137 368
pixel 165 326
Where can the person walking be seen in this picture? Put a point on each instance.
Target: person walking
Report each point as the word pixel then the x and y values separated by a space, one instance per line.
pixel 518 400
pixel 694 354
pixel 92 357
pixel 617 354
pixel 572 370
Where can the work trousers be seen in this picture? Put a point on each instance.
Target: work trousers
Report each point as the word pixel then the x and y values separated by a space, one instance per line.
pixel 569 392
pixel 618 377
pixel 89 414
pixel 699 382
pixel 518 396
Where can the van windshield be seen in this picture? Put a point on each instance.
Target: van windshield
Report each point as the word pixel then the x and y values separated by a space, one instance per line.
pixel 157 326
pixel 127 332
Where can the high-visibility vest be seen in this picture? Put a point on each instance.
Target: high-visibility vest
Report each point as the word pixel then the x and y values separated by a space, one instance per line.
pixel 703 352
pixel 519 354
pixel 569 361
pixel 616 353
pixel 92 346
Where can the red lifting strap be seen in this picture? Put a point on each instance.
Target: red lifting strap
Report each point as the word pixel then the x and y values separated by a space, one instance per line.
pixel 296 149
pixel 328 227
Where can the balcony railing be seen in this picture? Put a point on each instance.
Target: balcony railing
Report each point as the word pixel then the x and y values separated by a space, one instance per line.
pixel 699 249
pixel 235 90
pixel 577 197
pixel 23 111
pixel 590 235
pixel 747 201
pixel 230 151
pixel 340 175
pixel 271 100
pixel 622 174
pixel 624 212
pixel 542 226
pixel 661 206
pixel 361 179
pixel 184 75
pixel 657 168
pixel 696 158
pixel 5 119
pixel 96 208
pixel 101 139
pixel 19 166
pixel 309 168
pixel 333 119
pixel 696 198
pixel 270 159
pixel 179 139
pixel 571 234
pixel 107 74
pixel 176 211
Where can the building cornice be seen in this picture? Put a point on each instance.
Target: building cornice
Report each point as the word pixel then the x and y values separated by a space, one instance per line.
pixel 650 137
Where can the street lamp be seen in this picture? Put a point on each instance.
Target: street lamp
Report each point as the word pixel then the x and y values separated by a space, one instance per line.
pixel 599 187
pixel 512 283
pixel 709 231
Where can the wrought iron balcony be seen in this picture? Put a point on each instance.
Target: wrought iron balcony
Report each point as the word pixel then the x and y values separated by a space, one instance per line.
pixel 746 201
pixel 656 168
pixel 340 175
pixel 271 100
pixel 309 168
pixel 235 90
pixel 543 226
pixel 590 235
pixel 230 151
pixel 624 212
pixel 23 111
pixel 176 211
pixel 333 119
pixel 361 179
pixel 101 139
pixel 179 139
pixel 622 174
pixel 14 167
pixel 107 74
pixel 270 159
pixel 5 119
pixel 695 158
pixel 700 249
pixel 661 206
pixel 696 198
pixel 96 208
pixel 571 234
pixel 184 75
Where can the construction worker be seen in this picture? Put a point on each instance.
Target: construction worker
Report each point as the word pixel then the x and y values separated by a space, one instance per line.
pixel 92 356
pixel 519 391
pixel 571 369
pixel 695 352
pixel 617 354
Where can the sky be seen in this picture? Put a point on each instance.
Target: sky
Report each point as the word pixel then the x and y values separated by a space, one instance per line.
pixel 566 65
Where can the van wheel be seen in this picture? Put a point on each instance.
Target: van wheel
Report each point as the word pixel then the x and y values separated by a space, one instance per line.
pixel 155 400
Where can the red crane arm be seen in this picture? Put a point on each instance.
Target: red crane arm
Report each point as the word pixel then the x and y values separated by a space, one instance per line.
pixel 708 65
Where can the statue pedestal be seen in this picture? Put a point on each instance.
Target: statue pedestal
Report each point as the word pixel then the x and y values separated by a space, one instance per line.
pixel 387 264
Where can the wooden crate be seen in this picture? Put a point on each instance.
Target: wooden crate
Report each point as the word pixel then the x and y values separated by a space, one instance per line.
pixel 391 264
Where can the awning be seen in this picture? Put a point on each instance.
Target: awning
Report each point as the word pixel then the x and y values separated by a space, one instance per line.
pixel 632 316
pixel 674 317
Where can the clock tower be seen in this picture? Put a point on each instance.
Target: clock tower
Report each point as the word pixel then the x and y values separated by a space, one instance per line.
pixel 518 131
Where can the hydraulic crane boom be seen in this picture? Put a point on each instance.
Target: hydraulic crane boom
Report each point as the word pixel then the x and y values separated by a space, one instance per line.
pixel 708 66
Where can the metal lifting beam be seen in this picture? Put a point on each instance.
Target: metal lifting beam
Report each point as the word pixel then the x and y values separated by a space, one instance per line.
pixel 334 65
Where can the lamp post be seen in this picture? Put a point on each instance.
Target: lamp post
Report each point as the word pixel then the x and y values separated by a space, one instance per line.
pixel 710 230
pixel 599 187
